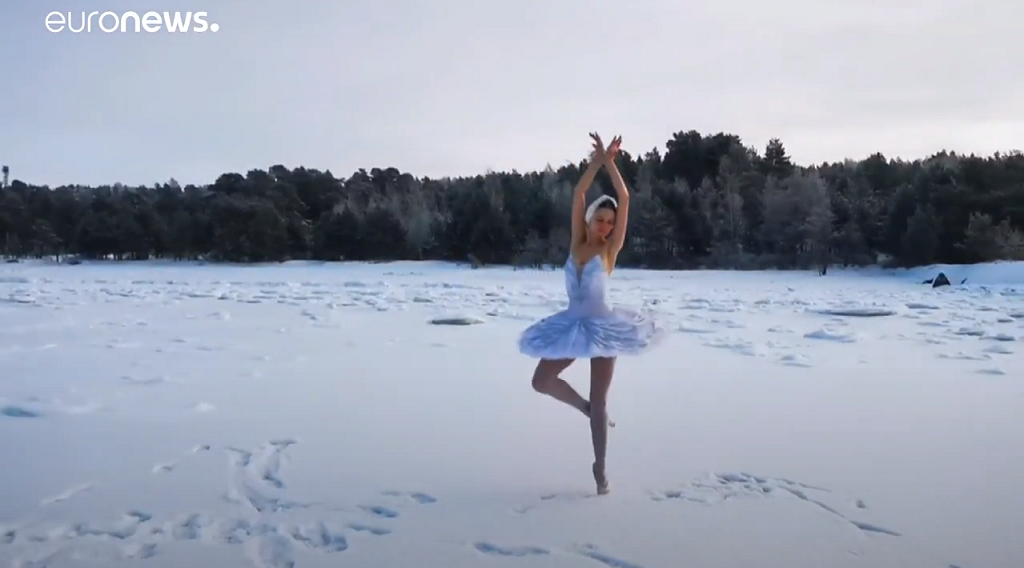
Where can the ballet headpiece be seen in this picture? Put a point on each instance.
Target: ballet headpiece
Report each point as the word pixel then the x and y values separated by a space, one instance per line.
pixel 596 204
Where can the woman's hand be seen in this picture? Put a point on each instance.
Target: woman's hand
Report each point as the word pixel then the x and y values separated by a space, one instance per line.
pixel 598 154
pixel 613 150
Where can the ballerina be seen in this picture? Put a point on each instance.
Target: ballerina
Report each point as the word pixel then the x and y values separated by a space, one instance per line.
pixel 588 328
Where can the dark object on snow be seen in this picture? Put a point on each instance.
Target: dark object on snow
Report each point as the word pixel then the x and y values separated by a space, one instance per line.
pixel 857 312
pixel 459 320
pixel 940 280
pixel 964 281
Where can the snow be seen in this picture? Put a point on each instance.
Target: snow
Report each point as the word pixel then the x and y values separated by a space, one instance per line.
pixel 1004 274
pixel 167 415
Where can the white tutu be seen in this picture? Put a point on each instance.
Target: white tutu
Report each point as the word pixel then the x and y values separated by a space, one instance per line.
pixel 588 327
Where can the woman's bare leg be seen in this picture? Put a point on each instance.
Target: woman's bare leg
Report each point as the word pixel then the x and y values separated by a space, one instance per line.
pixel 601 371
pixel 546 381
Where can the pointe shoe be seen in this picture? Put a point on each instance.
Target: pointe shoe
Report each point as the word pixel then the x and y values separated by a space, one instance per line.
pixel 603 487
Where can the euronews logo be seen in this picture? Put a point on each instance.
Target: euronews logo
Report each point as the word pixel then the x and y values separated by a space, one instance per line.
pixel 110 22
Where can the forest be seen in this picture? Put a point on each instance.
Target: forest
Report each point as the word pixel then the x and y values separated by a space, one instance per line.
pixel 704 201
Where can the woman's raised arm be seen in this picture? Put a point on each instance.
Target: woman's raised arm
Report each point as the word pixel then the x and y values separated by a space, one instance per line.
pixel 579 195
pixel 618 237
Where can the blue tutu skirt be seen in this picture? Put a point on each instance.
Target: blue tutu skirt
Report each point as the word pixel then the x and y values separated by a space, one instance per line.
pixel 570 335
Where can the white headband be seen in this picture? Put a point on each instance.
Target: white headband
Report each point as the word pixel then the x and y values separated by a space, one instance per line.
pixel 597 203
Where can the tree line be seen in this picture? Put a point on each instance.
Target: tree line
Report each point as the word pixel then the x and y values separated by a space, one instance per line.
pixel 706 201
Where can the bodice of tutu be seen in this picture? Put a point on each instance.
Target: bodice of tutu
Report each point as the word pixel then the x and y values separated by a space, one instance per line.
pixel 586 287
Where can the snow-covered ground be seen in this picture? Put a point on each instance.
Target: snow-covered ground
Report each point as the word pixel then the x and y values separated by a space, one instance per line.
pixel 177 416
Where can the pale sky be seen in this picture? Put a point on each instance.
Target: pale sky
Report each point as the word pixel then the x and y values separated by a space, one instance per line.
pixel 456 87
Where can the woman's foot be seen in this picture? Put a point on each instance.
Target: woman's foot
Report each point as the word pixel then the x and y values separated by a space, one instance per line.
pixel 586 411
pixel 601 480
